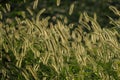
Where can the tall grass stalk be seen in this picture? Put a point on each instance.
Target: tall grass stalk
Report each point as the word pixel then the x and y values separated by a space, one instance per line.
pixel 34 48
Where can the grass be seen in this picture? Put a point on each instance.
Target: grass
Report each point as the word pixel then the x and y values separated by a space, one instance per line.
pixel 36 49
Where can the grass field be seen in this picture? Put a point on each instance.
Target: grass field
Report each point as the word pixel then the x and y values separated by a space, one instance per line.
pixel 36 49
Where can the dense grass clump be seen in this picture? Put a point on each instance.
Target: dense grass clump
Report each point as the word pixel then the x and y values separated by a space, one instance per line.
pixel 34 48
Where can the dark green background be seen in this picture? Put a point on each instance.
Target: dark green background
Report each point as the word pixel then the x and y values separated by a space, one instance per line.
pixel 100 7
